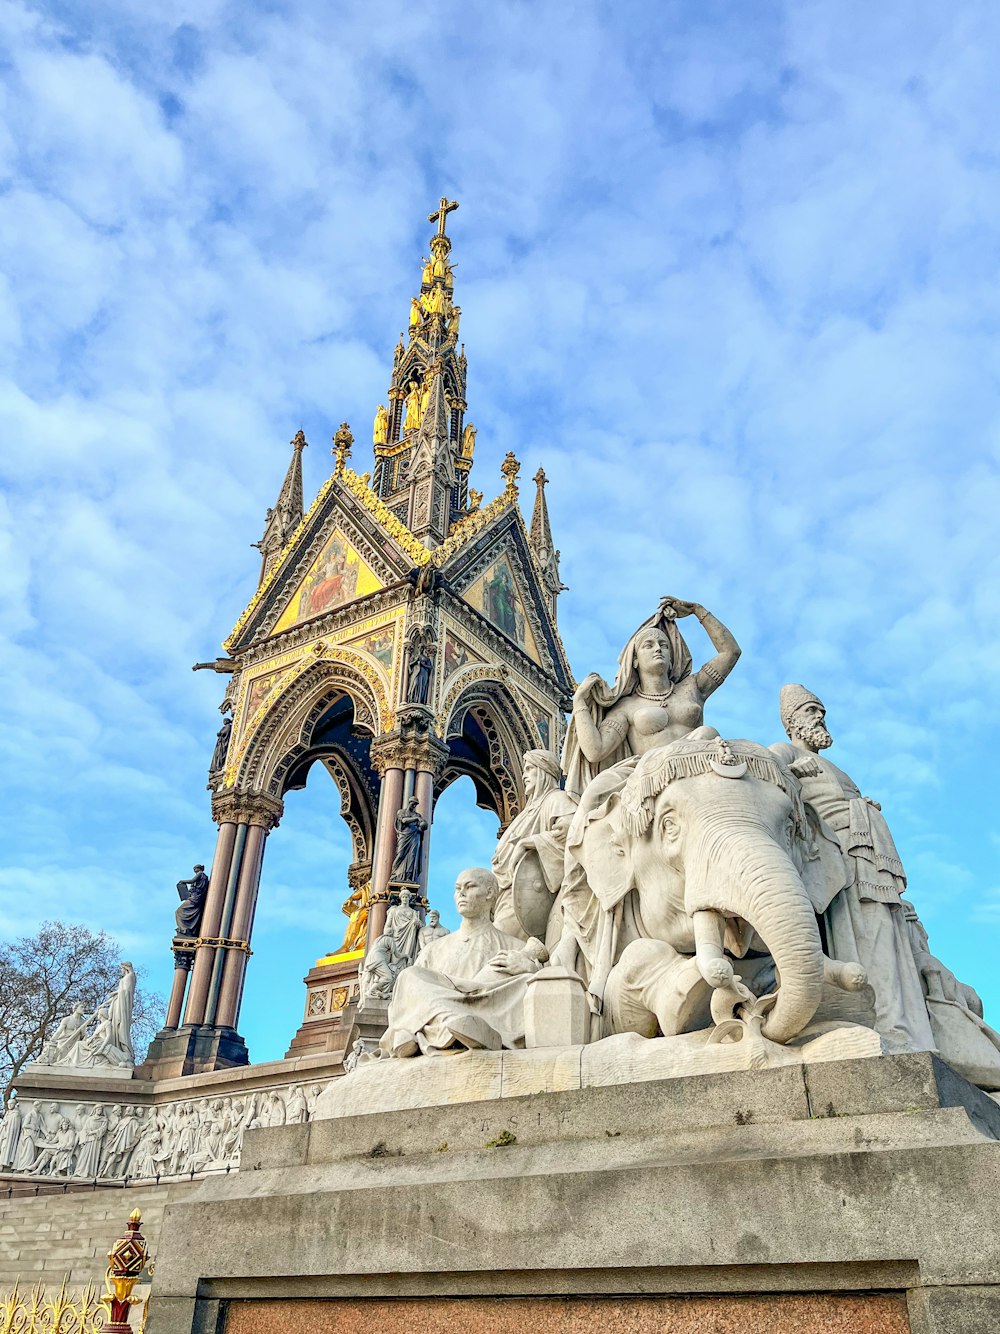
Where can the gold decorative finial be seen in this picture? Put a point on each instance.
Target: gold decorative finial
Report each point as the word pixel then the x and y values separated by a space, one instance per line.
pixel 510 468
pixel 475 499
pixel 341 451
pixel 440 214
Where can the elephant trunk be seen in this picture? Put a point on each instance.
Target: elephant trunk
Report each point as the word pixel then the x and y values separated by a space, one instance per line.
pixel 762 886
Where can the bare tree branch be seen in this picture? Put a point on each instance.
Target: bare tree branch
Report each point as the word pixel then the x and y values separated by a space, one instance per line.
pixel 43 976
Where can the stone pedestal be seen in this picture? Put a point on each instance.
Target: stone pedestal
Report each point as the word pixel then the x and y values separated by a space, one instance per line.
pixel 193 1049
pixel 371 1021
pixel 556 1012
pixel 847 1196
pixel 331 998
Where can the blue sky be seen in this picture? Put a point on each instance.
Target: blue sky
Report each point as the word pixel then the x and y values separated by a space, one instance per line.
pixel 727 270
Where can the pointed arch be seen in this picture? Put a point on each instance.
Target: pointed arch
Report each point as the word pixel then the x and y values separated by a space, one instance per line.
pixel 287 731
pixel 487 735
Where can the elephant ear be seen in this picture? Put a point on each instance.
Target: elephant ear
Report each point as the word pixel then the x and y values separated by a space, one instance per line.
pixel 606 856
pixel 821 862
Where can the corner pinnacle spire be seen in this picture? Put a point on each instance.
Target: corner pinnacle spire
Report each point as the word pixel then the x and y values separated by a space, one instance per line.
pixel 281 521
pixel 540 539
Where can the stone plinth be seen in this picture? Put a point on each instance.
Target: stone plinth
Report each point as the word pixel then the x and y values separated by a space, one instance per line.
pixel 556 1012
pixel 855 1195
pixel 192 1049
pixel 331 998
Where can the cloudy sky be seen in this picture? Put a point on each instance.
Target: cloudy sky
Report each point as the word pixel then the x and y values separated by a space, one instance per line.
pixel 728 270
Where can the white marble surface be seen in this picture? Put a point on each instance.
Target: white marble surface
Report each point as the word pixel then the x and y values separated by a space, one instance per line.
pixel 475 1076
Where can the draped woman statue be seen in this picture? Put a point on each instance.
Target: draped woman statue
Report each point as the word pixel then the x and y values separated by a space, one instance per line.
pixel 120 1004
pixel 656 698
pixel 412 418
pixel 380 429
pixel 410 828
pixel 402 923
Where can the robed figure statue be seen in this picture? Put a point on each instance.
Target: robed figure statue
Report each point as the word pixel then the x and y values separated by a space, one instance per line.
pixel 410 829
pixel 192 894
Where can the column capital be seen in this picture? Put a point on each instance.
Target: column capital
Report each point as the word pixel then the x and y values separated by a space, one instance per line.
pixel 253 808
pixel 359 874
pixel 412 745
pixel 184 948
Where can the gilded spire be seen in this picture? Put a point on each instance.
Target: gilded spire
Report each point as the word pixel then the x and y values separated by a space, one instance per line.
pixel 419 436
pixel 282 521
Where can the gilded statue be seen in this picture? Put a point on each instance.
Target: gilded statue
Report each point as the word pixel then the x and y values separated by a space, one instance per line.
pixel 380 430
pixel 432 301
pixel 356 910
pixel 427 275
pixel 468 441
pixel 425 397
pixel 454 321
pixel 412 419
pixel 416 314
pixel 656 697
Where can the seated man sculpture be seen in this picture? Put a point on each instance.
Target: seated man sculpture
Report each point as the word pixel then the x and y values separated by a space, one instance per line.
pixel 465 989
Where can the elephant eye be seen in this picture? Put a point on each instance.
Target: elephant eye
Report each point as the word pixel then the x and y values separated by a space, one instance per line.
pixel 668 825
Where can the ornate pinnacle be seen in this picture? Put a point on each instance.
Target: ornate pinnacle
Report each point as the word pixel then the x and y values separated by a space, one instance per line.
pixel 127 1259
pixel 299 440
pixel 341 451
pixel 539 478
pixel 510 468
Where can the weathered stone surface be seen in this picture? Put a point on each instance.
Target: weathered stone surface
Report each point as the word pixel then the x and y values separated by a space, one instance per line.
pixel 736 1183
pixel 626 1058
pixel 556 1013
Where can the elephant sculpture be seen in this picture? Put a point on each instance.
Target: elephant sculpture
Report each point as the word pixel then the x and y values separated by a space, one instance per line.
pixel 687 864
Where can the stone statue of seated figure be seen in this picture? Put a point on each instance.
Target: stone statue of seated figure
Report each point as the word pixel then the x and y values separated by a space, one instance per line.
pixel 465 989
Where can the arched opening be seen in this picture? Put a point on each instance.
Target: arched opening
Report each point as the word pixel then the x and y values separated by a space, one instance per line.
pixel 298 919
pixel 486 738
pixel 328 789
pixel 464 835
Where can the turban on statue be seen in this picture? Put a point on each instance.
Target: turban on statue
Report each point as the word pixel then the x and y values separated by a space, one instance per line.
pixel 544 760
pixel 792 697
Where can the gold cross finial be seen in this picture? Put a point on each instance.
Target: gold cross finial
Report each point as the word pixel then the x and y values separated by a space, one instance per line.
pixel 440 214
